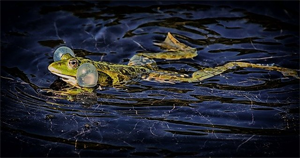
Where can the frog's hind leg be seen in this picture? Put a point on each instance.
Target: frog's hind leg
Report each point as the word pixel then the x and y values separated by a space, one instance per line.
pixel 174 50
pixel 210 72
pixel 143 61
pixel 173 77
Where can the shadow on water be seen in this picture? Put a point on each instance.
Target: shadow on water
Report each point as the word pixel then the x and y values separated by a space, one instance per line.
pixel 243 112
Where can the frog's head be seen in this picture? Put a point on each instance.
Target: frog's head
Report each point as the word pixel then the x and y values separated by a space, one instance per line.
pixel 76 71
pixel 66 68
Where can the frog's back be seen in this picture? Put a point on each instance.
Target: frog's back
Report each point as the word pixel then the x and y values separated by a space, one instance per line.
pixel 120 74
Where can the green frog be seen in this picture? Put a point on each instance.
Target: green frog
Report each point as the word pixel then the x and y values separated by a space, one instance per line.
pixel 143 67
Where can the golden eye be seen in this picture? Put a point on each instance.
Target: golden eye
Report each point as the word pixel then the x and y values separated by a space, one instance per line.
pixel 73 63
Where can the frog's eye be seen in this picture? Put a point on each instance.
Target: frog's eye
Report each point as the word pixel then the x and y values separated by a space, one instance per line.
pixel 60 51
pixel 87 75
pixel 73 63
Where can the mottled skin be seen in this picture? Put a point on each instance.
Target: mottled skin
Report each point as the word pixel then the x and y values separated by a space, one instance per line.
pixel 142 67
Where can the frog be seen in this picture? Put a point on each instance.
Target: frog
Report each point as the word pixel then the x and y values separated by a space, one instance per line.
pixel 142 66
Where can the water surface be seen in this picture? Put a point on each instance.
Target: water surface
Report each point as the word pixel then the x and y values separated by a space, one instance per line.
pixel 244 112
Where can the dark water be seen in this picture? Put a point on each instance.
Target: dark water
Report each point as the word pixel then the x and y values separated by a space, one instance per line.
pixel 246 112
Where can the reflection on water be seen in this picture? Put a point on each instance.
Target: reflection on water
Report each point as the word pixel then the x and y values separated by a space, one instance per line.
pixel 246 112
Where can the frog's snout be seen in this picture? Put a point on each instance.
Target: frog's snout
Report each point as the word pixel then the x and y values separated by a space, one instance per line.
pixel 51 68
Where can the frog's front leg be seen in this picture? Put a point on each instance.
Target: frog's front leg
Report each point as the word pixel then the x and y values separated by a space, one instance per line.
pixel 69 91
pixel 210 72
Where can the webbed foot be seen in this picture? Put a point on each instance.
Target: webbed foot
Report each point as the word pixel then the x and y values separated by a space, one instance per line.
pixel 175 50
